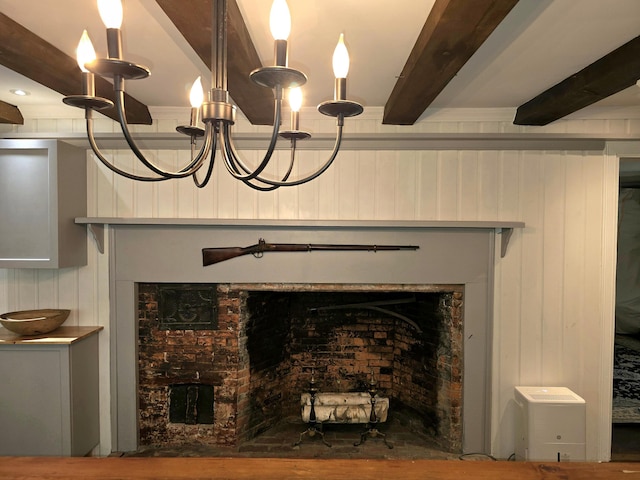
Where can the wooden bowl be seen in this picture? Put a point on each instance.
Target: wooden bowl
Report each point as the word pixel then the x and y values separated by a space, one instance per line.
pixel 34 322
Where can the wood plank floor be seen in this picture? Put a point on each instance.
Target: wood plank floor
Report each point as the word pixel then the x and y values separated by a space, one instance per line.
pixel 49 468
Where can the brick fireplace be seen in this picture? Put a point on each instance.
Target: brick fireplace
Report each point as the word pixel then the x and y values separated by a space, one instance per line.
pixel 155 251
pixel 255 347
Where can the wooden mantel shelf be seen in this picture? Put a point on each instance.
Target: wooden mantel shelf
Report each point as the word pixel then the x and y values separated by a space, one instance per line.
pixel 96 225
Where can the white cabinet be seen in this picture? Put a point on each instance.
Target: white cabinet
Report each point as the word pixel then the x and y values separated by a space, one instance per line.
pixel 43 188
pixel 49 399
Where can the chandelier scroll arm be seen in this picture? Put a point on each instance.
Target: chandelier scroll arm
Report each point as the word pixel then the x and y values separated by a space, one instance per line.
pixel 185 172
pixel 212 160
pixel 317 173
pixel 285 177
pixel 105 162
pixel 233 160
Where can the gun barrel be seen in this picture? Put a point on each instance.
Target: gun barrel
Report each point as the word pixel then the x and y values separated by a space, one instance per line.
pixel 217 255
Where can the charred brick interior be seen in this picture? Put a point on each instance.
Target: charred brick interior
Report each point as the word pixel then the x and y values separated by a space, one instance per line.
pixel 226 384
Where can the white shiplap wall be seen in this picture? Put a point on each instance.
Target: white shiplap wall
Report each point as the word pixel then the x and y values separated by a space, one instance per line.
pixel 554 290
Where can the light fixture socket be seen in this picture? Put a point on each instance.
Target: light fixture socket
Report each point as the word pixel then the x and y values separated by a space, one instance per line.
pixel 88 84
pixel 114 43
pixel 340 90
pixel 295 120
pixel 281 53
pixel 195 117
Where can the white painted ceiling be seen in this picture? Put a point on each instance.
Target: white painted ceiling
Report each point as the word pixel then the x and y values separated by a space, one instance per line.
pixel 540 43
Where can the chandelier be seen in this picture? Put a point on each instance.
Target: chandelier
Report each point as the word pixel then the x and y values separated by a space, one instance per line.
pixel 217 113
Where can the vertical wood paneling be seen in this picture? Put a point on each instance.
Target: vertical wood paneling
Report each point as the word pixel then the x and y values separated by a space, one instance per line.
pixel 468 185
pixel 187 191
pixel 427 177
pixel 143 193
pixel 508 189
pixel 447 187
pixel 308 194
pixel 67 290
pixel 365 189
pixel 574 301
pixel 507 327
pixel 124 188
pixel 385 185
pixel 531 184
pixel 488 185
pixel 165 192
pixel 599 338
pixel 327 188
pixel 104 193
pixel 347 170
pixel 552 295
pixel 552 273
pixel 406 186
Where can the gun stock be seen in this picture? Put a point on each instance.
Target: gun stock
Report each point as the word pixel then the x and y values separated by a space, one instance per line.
pixel 217 255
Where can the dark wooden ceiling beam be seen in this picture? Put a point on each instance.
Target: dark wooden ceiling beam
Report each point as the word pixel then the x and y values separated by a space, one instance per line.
pixel 27 54
pixel 193 19
pixel 610 74
pixel 453 32
pixel 10 114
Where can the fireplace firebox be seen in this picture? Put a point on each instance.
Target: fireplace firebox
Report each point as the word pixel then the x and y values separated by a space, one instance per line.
pixel 226 385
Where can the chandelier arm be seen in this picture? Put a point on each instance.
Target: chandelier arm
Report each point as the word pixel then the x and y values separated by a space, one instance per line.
pixel 185 172
pixel 230 155
pixel 212 160
pixel 285 176
pixel 314 175
pixel 106 163
pixel 198 160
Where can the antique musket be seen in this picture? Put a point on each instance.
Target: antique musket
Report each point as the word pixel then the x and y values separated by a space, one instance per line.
pixel 217 255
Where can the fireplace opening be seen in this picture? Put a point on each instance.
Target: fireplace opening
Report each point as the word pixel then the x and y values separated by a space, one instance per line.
pixel 270 340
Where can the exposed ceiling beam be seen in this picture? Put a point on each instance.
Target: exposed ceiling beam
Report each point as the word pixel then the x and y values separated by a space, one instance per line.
pixel 27 54
pixel 10 114
pixel 611 74
pixel 193 20
pixel 454 30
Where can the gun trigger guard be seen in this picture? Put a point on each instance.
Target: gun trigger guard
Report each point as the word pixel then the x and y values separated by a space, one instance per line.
pixel 258 254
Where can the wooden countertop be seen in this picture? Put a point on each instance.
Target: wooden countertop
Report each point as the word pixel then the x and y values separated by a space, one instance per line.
pixel 60 336
pixel 14 468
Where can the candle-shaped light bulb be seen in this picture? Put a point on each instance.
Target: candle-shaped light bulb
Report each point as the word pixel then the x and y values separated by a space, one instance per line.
pixel 280 23
pixel 196 96
pixel 280 20
pixel 340 59
pixel 110 12
pixel 295 99
pixel 85 52
pixel 295 102
pixel 340 69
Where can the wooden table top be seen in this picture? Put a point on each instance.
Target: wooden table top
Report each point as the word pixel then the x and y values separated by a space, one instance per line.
pixel 135 468
pixel 64 335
